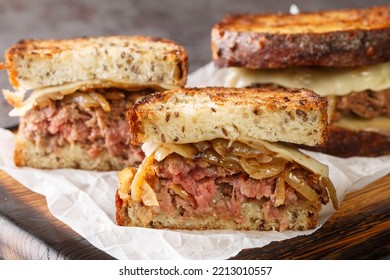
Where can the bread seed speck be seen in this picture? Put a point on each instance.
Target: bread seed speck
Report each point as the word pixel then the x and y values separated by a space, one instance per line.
pixel 224 131
pixel 302 114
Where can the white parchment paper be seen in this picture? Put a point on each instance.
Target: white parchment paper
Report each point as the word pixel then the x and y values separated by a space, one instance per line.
pixel 85 201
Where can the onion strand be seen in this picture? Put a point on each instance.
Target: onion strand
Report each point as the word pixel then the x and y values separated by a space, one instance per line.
pixel 300 185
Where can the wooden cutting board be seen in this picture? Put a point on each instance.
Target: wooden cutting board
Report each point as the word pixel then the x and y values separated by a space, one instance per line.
pixel 360 228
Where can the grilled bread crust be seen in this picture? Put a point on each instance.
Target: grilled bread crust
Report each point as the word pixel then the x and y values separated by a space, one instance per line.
pixel 334 38
pixel 190 115
pixel 139 60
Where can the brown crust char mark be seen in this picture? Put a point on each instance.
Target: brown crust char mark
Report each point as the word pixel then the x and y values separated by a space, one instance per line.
pixel 235 42
pixel 256 51
pixel 347 143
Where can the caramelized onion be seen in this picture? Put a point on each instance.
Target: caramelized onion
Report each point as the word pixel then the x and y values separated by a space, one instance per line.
pixel 83 99
pixel 125 177
pixel 327 183
pixel 264 159
pixel 88 100
pixel 101 100
pixel 148 195
pixel 300 185
pixel 280 191
pixel 259 170
pixel 184 150
pixel 229 162
pixel 222 147
pixel 142 172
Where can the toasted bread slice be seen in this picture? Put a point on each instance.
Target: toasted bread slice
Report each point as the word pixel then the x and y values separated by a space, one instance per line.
pixel 334 38
pixel 295 116
pixel 137 60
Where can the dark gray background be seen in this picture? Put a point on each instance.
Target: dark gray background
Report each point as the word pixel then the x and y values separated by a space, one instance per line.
pixel 186 22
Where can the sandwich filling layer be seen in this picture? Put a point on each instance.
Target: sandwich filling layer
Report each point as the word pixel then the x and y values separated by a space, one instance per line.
pixel 42 95
pixel 95 120
pixel 243 186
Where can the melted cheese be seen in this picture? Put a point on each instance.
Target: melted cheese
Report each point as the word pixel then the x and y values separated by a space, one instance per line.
pixel 380 124
pixel 323 81
pixel 58 92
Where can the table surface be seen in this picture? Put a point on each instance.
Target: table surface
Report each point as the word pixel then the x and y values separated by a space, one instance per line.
pixel 359 229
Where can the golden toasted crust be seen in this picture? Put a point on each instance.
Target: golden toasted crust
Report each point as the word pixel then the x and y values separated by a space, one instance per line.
pixel 191 115
pixel 334 38
pixel 135 59
pixel 347 143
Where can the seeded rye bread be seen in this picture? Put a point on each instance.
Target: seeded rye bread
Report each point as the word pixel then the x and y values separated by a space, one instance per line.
pixel 268 114
pixel 334 38
pixel 116 61
pixel 191 115
pixel 132 59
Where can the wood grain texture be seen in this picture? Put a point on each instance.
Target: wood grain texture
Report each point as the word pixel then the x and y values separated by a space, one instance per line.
pixel 360 229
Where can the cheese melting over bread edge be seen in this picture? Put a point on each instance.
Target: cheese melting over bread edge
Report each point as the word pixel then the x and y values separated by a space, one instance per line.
pixel 323 81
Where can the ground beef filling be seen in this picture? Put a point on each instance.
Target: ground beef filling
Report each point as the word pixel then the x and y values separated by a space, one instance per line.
pixel 60 123
pixel 366 104
pixel 212 189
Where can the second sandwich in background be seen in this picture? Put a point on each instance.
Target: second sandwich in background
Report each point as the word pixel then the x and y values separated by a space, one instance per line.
pixel 79 93
pixel 343 55
pixel 214 160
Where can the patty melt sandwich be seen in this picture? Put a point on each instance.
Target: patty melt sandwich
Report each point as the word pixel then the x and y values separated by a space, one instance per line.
pixel 343 55
pixel 72 96
pixel 215 160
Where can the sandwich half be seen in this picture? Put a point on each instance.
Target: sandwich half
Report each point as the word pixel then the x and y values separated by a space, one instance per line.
pixel 217 158
pixel 72 96
pixel 343 55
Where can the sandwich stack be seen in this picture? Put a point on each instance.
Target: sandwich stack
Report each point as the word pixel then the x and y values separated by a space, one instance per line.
pixel 215 160
pixel 343 55
pixel 79 91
